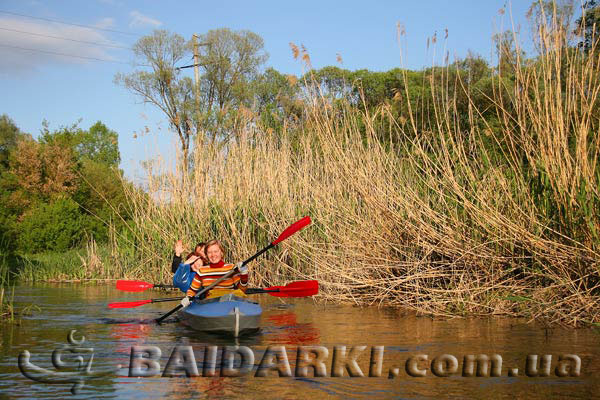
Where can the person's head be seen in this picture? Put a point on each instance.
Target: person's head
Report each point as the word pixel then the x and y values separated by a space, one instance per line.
pixel 200 250
pixel 214 251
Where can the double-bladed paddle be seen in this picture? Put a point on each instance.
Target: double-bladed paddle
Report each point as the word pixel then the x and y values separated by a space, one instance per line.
pixel 294 289
pixel 138 286
pixel 289 231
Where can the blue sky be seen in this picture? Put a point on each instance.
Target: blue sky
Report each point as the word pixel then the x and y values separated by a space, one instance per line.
pixel 37 86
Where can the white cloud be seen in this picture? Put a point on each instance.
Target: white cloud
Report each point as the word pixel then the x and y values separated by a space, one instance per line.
pixel 16 59
pixel 139 20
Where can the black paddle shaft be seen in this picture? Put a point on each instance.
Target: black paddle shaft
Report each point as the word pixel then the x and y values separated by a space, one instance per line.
pixel 270 246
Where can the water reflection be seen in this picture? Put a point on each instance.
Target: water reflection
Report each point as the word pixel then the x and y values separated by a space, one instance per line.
pixel 285 329
pixel 292 324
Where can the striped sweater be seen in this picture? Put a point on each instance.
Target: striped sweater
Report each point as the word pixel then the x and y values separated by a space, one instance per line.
pixel 210 273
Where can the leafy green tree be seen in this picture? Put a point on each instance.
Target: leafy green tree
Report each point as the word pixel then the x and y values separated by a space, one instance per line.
pixel 55 226
pixel 100 144
pixel 276 99
pixel 231 61
pixel 332 81
pixel 507 52
pixel 9 134
pixel 101 196
pixel 69 165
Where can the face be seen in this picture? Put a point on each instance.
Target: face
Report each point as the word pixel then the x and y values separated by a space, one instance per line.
pixel 214 254
pixel 200 251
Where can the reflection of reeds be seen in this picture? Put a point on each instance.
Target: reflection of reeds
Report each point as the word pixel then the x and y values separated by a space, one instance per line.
pixel 446 221
pixel 6 303
pixel 7 311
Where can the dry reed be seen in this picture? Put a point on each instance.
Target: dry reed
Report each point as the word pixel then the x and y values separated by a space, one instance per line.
pixel 433 222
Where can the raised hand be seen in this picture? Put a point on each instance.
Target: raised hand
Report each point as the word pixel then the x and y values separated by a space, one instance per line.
pixel 179 248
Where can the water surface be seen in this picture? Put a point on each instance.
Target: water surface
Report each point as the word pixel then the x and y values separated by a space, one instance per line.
pixel 289 323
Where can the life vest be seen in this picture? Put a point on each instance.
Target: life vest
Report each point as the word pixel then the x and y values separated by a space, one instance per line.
pixel 183 277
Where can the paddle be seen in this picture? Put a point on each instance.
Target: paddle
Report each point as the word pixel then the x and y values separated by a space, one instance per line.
pixel 289 231
pixel 138 286
pixel 294 289
pixel 131 304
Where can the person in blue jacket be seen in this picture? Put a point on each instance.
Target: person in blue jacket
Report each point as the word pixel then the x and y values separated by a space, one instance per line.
pixel 197 258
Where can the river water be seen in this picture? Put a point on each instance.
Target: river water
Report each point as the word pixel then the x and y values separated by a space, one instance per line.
pixel 421 343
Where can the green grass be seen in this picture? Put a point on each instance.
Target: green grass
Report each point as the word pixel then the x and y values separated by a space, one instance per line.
pixel 74 264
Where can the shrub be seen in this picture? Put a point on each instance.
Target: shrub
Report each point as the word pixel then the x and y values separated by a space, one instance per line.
pixel 55 226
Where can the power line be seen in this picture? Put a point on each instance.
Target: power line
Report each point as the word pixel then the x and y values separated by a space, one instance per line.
pixel 64 38
pixel 68 23
pixel 71 55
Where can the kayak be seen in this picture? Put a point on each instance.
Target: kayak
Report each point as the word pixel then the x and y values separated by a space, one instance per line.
pixel 226 314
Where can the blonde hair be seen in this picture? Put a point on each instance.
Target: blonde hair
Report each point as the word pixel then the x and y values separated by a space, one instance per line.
pixel 214 242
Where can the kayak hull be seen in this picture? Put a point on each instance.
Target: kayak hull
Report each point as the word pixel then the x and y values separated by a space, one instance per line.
pixel 226 314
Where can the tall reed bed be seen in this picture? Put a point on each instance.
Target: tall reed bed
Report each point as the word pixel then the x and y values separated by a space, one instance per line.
pixel 462 218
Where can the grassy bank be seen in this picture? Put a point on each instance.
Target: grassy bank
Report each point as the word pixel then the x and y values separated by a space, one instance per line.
pixel 453 215
pixel 92 262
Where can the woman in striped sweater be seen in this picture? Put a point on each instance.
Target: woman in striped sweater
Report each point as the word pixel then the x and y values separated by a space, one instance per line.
pixel 216 268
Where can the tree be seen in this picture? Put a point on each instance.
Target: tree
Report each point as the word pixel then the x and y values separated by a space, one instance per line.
pixel 9 133
pixel 100 144
pixel 45 169
pixel 101 196
pixel 551 19
pixel 231 61
pixel 333 81
pixel 55 226
pixel 276 99
pixel 588 25
pixel 509 55
pixel 163 86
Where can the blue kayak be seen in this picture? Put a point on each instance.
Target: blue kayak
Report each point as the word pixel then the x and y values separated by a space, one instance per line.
pixel 226 314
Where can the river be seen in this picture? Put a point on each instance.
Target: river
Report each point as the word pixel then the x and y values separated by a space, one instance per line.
pixel 411 345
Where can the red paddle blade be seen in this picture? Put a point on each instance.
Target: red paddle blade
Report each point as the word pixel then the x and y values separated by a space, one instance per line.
pixel 294 293
pixel 296 289
pixel 129 304
pixel 295 227
pixel 133 286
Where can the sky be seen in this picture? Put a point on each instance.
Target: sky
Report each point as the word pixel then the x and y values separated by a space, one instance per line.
pixel 40 80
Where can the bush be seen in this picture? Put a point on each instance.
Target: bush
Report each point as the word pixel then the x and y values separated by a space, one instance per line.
pixel 56 226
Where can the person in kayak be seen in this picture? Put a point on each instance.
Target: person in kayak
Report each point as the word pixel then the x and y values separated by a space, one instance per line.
pixel 195 258
pixel 216 268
